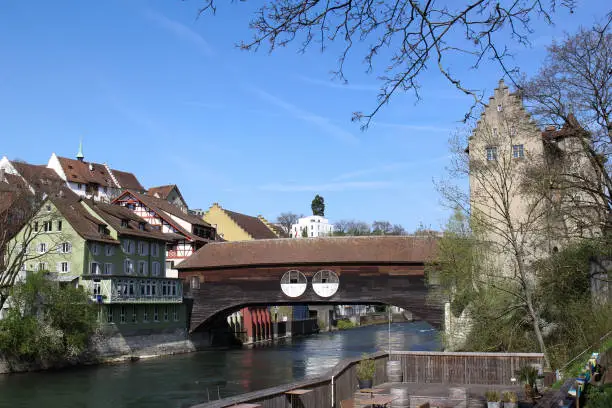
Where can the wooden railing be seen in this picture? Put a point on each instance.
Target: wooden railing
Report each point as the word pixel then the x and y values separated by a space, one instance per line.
pixel 417 367
pixel 463 368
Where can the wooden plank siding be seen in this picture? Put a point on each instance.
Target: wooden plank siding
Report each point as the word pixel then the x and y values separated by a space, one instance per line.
pixel 463 368
pixel 229 289
pixel 418 367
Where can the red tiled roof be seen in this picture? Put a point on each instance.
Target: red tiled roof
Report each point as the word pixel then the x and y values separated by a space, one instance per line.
pixel 328 250
pixel 41 178
pixel 79 172
pixel 161 191
pixel 163 208
pixel 251 225
pixel 114 214
pixel 127 180
pixel 570 128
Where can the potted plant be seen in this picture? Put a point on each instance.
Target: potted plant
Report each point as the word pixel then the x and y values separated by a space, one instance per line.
pixel 510 399
pixel 492 397
pixel 365 372
pixel 528 375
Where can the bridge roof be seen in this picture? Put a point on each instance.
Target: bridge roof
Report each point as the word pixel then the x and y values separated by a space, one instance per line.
pixel 329 250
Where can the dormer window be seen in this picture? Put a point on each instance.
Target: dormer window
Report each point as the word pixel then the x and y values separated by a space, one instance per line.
pixel 141 226
pixel 124 223
pixel 102 229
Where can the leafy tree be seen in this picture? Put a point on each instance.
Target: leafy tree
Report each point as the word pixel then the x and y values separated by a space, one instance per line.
pixel 47 321
pixel 318 206
pixel 286 220
pixel 405 37
pixel 305 232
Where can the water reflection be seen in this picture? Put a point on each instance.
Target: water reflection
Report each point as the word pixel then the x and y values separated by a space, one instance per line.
pixel 184 380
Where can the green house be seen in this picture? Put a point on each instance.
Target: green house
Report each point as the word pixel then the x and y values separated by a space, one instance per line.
pixel 115 255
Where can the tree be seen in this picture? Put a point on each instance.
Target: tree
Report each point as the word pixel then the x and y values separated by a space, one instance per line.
pixel 305 232
pixel 418 34
pixel 382 228
pixel 20 215
pixel 286 220
pixel 574 89
pixel 47 322
pixel 318 206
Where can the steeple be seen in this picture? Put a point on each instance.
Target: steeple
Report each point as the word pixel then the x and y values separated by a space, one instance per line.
pixel 80 155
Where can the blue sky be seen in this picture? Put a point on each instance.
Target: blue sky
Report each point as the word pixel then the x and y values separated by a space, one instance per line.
pixel 152 89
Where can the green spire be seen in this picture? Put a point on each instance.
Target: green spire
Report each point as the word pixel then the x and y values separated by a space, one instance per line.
pixel 80 156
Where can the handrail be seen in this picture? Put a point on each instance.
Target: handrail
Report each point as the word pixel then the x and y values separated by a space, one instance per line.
pixel 587 349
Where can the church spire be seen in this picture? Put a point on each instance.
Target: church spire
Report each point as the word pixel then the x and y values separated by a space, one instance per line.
pixel 80 155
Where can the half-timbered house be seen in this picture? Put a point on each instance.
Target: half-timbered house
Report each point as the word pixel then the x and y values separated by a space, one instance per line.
pixel 193 232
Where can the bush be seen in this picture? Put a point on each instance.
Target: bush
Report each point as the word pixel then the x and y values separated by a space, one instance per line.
pixel 366 368
pixel 345 324
pixel 46 322
pixel 492 396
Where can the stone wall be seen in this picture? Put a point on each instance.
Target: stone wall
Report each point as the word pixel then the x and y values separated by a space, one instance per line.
pixel 111 345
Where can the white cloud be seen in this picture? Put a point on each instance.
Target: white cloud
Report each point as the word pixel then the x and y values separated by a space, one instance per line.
pixel 387 168
pixel 407 126
pixel 338 85
pixel 180 30
pixel 341 186
pixel 323 123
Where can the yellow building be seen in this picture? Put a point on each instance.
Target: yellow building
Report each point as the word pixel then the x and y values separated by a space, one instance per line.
pixel 233 226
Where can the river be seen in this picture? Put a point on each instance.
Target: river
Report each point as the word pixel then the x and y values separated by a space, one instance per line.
pixel 188 379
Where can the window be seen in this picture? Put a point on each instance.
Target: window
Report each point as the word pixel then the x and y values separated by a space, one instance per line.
pixel 175 313
pixel 109 250
pixel 43 266
pixel 143 248
pixel 36 226
pixel 141 226
pixel 96 288
pixel 195 282
pixel 518 152
pixel 128 266
pixel 109 314
pixel 155 249
pixel 63 266
pixel 59 225
pixel 65 248
pixel 95 268
pixel 166 313
pixel 491 153
pixel 131 290
pixel 145 314
pixel 102 229
pixel 500 107
pixel 79 186
pixel 142 268
pixel 134 316
pixel 125 223
pixel 513 131
pixel 48 226
pixel 95 248
pixel 122 314
pixel 311 234
pixel 156 313
pixel 156 269
pixel 494 131
pixel 128 246
pixel 108 268
pixel 48 208
pixel 42 248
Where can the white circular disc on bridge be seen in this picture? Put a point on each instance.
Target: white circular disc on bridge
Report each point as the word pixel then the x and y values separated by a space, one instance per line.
pixel 325 283
pixel 293 283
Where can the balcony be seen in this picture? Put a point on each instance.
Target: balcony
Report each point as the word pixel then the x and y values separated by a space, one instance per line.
pixel 109 289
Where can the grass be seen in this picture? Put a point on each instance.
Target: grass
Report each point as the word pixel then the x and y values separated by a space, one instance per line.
pixel 345 324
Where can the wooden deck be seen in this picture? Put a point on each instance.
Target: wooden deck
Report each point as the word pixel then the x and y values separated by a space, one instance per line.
pixel 435 373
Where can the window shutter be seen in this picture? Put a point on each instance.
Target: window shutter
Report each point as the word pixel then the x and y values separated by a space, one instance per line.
pixel 58 267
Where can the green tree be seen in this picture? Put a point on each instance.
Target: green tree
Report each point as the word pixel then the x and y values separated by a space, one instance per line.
pixel 47 321
pixel 305 232
pixel 318 206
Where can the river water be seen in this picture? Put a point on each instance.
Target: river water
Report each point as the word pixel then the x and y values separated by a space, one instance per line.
pixel 188 379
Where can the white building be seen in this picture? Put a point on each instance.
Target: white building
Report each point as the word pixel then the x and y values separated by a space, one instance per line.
pixel 315 226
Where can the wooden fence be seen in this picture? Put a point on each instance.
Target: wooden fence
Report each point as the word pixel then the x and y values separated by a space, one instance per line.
pixel 463 368
pixel 417 367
